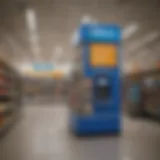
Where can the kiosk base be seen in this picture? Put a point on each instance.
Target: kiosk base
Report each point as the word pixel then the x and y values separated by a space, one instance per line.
pixel 95 125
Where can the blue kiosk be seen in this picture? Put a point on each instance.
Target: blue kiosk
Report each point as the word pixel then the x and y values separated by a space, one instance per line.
pixel 100 47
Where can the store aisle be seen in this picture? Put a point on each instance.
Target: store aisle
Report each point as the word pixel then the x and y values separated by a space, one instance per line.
pixel 43 134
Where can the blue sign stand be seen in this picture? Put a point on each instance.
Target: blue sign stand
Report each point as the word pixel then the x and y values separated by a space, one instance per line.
pixel 106 99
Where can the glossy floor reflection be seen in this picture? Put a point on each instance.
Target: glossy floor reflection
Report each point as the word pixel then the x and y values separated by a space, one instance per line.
pixel 43 134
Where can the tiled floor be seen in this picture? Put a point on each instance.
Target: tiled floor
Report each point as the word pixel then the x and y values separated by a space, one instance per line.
pixel 43 134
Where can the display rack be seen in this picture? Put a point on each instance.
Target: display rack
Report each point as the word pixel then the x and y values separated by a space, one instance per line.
pixel 145 87
pixel 10 96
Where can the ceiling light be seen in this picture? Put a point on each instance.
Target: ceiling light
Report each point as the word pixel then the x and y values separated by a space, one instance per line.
pixel 22 67
pixel 33 35
pixel 31 19
pixel 143 41
pixel 75 39
pixel 86 19
pixel 130 30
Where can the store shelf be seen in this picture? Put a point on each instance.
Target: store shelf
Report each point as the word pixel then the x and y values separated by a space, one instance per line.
pixel 10 89
pixel 152 111
pixel 5 98
pixel 6 124
pixel 5 107
pixel 3 73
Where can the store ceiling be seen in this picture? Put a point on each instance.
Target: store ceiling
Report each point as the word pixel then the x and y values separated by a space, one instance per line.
pixel 42 30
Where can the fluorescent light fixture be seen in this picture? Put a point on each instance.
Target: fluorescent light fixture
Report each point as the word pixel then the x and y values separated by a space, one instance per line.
pixel 86 19
pixel 22 67
pixel 130 30
pixel 32 28
pixel 75 38
pixel 143 41
pixel 31 19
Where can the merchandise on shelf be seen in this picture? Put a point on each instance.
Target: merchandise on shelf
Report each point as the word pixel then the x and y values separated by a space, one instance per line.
pixel 10 91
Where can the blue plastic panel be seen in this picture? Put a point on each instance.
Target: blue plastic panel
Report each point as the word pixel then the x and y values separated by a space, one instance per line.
pixel 102 33
pixel 97 124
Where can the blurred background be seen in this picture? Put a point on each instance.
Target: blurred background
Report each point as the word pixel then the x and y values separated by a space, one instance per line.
pixel 37 59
